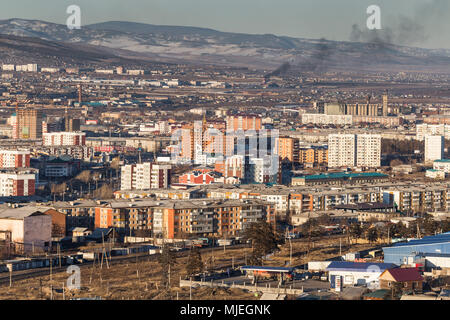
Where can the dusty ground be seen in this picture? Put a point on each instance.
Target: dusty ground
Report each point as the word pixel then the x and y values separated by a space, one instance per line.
pixel 141 280
pixel 320 250
pixel 129 280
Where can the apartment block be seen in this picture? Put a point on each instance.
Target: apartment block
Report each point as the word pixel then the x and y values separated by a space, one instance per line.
pixel 341 150
pixel 243 122
pixel 145 176
pixel 64 139
pixel 14 158
pixel 368 150
pixel 288 149
pixel 313 155
pixel 176 219
pixel 434 148
pixel 17 182
pixel 349 150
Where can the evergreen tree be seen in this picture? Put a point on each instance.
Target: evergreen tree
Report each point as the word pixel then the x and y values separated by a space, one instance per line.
pixel 372 234
pixel 264 240
pixel 194 264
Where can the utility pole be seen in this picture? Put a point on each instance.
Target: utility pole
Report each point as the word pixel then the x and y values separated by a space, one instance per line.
pixel 169 276
pixel 389 229
pixel 51 262
pixel 59 254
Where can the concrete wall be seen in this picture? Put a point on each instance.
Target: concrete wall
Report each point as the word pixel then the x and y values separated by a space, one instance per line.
pixel 38 230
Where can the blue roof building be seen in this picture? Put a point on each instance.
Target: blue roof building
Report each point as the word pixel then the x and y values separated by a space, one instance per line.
pixel 405 253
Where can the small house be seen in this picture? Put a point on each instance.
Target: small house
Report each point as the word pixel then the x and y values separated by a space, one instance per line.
pixel 409 278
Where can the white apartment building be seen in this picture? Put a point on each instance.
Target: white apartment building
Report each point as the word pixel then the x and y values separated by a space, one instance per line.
pixel 17 182
pixel 64 139
pixel 14 158
pixel 425 129
pixel 434 148
pixel 31 67
pixel 319 118
pixel 349 150
pixel 9 67
pixel 368 150
pixel 145 176
pixel 341 150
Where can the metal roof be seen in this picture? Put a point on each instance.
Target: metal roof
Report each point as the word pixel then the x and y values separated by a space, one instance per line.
pixel 344 175
pixel 270 269
pixel 359 266
pixel 439 238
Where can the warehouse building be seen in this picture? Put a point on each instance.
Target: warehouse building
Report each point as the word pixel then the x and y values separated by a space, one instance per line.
pixel 408 253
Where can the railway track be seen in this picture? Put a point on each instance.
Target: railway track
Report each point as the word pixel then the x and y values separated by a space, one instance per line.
pixel 42 272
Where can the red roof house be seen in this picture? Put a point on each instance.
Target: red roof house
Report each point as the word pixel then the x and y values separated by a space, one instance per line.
pixel 410 278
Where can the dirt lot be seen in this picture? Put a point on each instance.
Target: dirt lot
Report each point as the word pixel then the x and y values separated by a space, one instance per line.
pixel 141 280
pixel 129 280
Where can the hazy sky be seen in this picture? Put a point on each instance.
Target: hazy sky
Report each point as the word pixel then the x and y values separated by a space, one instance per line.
pixel 330 19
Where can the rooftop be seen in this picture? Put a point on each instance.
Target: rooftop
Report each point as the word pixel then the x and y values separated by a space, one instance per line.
pixel 344 175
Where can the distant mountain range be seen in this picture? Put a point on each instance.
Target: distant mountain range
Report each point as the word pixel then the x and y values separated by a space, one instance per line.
pixel 128 40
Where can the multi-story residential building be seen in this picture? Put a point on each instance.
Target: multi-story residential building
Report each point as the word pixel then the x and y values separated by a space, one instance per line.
pixel 434 148
pixel 368 150
pixel 261 170
pixel 341 150
pixel 14 158
pixel 425 129
pixel 145 176
pixel 419 198
pixel 325 119
pixel 243 122
pixel 349 150
pixel 178 219
pixel 80 213
pixel 339 178
pixel 76 152
pixel 288 149
pixel 313 155
pixel 17 182
pixel 64 139
pixel 386 121
pixel 232 166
